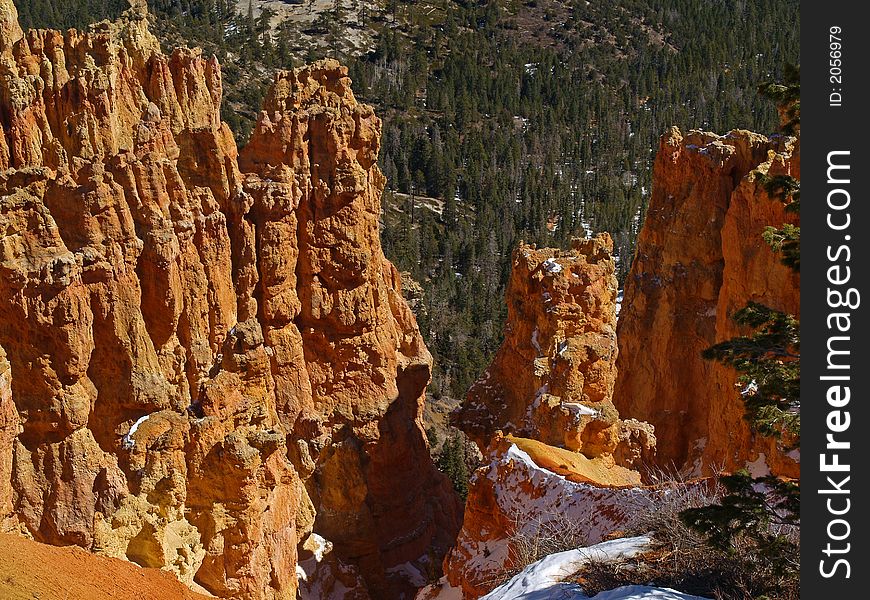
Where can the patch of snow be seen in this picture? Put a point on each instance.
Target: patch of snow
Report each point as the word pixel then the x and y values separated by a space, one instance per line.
pixel 750 389
pixel 551 266
pixel 440 591
pixel 795 455
pixel 544 389
pixel 546 577
pixel 321 546
pixel 644 592
pixel 620 295
pixel 127 441
pixel 314 582
pixel 516 454
pixel 409 573
pixel 577 409
pixel 698 449
pixel 535 343
pixel 758 467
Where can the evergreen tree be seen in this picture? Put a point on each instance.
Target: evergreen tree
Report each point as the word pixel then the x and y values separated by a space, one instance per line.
pixel 452 462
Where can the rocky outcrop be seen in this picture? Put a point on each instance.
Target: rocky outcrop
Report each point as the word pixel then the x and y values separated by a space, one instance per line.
pixel 568 463
pixel 700 257
pixel 552 379
pixel 531 496
pixel 210 355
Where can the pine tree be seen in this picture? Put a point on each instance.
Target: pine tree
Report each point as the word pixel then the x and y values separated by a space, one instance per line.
pixel 451 462
pixel 768 364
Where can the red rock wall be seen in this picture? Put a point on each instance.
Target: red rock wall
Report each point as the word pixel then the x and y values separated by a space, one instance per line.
pixel 700 257
pixel 239 309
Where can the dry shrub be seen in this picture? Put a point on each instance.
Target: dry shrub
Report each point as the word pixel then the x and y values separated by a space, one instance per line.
pixel 680 557
pixel 545 534
pixel 551 533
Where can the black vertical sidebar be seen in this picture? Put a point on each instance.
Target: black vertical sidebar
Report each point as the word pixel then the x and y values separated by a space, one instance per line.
pixel 835 300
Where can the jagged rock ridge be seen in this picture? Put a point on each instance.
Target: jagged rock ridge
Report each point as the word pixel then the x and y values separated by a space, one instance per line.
pixel 210 356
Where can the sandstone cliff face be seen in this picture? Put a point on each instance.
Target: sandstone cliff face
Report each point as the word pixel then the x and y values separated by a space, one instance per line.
pixel 210 355
pixel 8 431
pixel 552 379
pixel 700 257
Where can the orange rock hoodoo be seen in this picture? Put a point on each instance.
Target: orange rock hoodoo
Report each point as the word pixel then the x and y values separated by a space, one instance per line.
pixel 207 356
pixel 552 379
pixel 551 383
pixel 701 257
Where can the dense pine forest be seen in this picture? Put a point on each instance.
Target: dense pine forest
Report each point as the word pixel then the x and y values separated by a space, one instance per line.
pixel 533 120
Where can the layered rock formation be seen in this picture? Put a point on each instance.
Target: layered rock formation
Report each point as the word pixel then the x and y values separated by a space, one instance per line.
pixel 552 379
pixel 577 463
pixel 210 355
pixel 700 257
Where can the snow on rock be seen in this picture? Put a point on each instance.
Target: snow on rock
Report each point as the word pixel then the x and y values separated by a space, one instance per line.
pixel 408 572
pixel 578 409
pixel 535 343
pixel 546 578
pixel 641 592
pixel 758 467
pixel 442 590
pixel 323 576
pixel 127 441
pixel 551 266
pixel 512 496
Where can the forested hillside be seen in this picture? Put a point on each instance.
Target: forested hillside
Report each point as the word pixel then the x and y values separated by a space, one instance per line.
pixel 504 121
